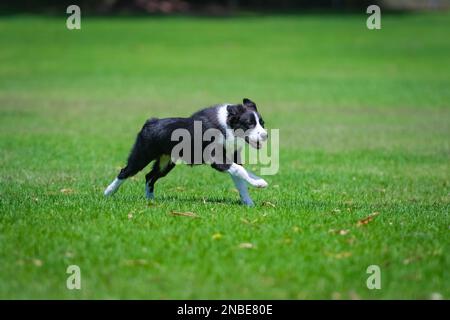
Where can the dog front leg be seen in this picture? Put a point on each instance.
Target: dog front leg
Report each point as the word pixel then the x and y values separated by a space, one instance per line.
pixel 253 176
pixel 239 171
pixel 241 185
pixel 240 176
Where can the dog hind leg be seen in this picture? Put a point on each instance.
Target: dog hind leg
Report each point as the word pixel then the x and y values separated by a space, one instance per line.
pixel 160 169
pixel 137 161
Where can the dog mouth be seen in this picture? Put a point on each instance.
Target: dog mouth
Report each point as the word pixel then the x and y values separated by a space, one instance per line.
pixel 254 144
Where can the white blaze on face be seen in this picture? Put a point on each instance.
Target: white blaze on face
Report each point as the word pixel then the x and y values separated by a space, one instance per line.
pixel 222 115
pixel 258 133
pixel 231 142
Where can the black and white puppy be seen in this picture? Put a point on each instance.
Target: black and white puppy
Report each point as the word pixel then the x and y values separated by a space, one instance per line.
pixel 237 124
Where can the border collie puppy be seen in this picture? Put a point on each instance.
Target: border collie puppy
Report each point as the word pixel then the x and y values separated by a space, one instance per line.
pixel 236 124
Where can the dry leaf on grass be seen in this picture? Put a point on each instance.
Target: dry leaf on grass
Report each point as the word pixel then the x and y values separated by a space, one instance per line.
pixel 336 296
pixel 245 221
pixel 135 262
pixel 342 232
pixel 184 214
pixel 269 204
pixel 413 259
pixel 246 245
pixel 436 296
pixel 340 255
pixel 217 236
pixel 354 296
pixel 367 219
pixel 66 191
pixel 249 222
pixel 37 262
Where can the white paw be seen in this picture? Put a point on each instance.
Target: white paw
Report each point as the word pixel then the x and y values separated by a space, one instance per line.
pixel 248 202
pixel 109 191
pixel 260 183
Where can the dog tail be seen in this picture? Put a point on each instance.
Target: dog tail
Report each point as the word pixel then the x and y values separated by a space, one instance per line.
pixel 139 157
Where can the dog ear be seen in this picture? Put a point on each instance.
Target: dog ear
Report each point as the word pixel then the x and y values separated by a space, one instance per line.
pixel 234 112
pixel 249 104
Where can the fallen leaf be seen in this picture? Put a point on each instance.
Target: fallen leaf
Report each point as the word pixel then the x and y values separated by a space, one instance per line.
pixel 246 245
pixel 130 216
pixel 217 236
pixel 37 262
pixel 336 296
pixel 136 262
pixel 66 191
pixel 344 254
pixel 436 296
pixel 340 255
pixel 269 204
pixel 249 222
pixel 354 296
pixel 367 219
pixel 184 214
pixel 411 259
pixel 342 232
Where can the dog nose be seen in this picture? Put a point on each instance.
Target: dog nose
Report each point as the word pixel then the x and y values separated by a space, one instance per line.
pixel 263 136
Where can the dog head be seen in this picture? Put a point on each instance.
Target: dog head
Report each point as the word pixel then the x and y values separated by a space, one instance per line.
pixel 247 123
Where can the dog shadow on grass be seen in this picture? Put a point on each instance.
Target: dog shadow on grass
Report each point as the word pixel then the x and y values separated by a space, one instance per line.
pixel 197 199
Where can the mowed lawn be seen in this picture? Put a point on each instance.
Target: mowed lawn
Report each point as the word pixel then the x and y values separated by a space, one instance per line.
pixel 364 120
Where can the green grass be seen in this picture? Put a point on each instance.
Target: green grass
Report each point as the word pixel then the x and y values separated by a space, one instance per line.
pixel 364 119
